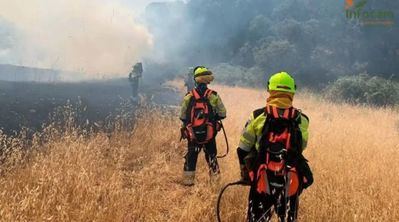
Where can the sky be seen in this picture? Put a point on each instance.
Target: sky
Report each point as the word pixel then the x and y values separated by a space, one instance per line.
pixel 139 5
pixel 92 36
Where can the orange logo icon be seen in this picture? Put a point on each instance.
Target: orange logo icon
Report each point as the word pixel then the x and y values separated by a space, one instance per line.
pixel 348 4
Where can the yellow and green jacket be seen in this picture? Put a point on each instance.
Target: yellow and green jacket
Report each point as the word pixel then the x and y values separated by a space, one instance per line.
pixel 215 101
pixel 252 131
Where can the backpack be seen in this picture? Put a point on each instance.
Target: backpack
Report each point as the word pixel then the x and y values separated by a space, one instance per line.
pixel 280 146
pixel 201 125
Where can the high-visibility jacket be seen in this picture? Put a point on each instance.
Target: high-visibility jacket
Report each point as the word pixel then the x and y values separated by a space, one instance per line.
pixel 215 101
pixel 252 132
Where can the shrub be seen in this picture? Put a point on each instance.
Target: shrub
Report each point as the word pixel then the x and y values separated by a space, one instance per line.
pixel 364 89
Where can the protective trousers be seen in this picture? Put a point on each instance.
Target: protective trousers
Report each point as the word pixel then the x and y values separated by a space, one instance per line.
pixel 210 156
pixel 261 205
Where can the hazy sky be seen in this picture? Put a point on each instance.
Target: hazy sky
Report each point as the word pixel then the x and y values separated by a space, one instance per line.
pixel 139 5
pixel 92 36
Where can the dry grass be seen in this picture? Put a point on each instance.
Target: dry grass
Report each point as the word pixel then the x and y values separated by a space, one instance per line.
pixel 354 153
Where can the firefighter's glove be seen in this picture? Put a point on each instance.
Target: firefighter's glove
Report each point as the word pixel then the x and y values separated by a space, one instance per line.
pixel 183 133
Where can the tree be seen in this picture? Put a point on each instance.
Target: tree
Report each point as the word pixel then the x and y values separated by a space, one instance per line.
pixel 277 55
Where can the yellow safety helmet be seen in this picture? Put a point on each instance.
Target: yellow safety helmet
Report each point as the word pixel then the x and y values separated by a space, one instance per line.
pixel 203 75
pixel 201 71
pixel 283 82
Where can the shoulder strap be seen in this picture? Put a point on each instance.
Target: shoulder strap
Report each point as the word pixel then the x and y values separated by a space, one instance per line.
pixel 288 113
pixel 189 107
pixel 272 111
pixel 296 115
pixel 304 115
pixel 258 112
pixel 195 94
pixel 208 93
pixel 264 141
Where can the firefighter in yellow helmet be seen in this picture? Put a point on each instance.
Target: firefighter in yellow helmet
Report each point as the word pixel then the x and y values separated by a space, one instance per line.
pixel 270 153
pixel 200 112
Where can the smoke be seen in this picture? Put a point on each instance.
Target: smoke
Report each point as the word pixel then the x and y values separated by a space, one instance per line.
pixel 97 37
pixel 314 41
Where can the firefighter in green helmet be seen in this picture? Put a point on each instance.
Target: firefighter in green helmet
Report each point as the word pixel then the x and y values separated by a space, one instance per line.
pixel 270 153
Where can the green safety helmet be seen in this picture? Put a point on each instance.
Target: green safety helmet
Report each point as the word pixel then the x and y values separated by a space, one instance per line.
pixel 282 82
pixel 201 71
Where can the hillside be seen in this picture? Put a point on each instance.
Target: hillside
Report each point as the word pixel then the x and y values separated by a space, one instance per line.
pixel 353 151
pixel 23 73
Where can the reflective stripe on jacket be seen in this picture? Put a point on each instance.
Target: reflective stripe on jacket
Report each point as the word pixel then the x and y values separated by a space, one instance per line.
pixel 252 131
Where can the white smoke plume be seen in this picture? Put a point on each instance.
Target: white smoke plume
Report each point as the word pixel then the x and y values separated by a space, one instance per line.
pixel 98 37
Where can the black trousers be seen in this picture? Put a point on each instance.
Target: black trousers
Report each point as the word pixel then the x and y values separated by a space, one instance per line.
pixel 135 86
pixel 210 151
pixel 260 206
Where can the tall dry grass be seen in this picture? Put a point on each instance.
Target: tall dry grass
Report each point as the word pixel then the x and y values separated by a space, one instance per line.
pixel 353 151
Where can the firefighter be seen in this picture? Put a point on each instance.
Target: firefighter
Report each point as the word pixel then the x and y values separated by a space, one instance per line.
pixel 134 78
pixel 270 148
pixel 201 110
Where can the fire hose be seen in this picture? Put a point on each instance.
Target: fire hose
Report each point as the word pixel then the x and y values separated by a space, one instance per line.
pixel 240 182
pixel 227 142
